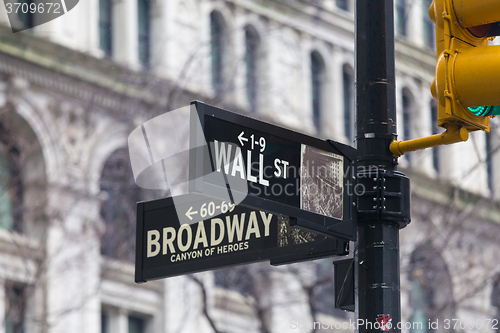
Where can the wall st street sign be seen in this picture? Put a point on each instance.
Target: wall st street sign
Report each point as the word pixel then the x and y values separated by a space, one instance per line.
pixel 289 173
pixel 223 235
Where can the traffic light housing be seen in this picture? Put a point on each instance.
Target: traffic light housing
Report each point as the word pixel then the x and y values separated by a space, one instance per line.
pixel 467 81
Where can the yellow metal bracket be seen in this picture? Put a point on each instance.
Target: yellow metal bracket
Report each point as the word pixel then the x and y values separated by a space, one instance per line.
pixel 452 135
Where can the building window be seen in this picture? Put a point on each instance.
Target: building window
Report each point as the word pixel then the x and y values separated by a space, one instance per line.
pixel 118 210
pixel 429 36
pixel 15 308
pixel 252 45
pixel 317 84
pixel 407 108
pixel 106 27
pixel 407 115
pixel 6 209
pixel 343 4
pixel 431 293
pixel 26 16
pixel 435 130
pixel 144 31
pixel 136 324
pixel 489 163
pixel 401 17
pixel 348 92
pixel 11 189
pixel 217 50
pixel 495 297
pixel 105 322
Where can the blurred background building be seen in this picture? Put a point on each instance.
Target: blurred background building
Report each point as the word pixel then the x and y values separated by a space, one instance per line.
pixel 72 90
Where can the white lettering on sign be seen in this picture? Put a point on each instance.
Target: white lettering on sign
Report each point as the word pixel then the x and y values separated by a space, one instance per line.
pixel 250 177
pixel 253 142
pixel 209 209
pixel 267 222
pixel 168 240
pixel 238 165
pixel 221 156
pixel 281 167
pixel 216 241
pixel 184 247
pixel 181 245
pixel 153 241
pixel 229 159
pixel 201 237
pixel 235 226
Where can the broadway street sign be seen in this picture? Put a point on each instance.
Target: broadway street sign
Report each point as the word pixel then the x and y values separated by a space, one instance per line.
pixel 223 235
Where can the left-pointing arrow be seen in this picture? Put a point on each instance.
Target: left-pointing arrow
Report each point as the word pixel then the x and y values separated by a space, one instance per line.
pixel 191 212
pixel 242 138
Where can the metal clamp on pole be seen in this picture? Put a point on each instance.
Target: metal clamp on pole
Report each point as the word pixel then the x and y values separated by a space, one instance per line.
pixel 452 135
pixel 385 197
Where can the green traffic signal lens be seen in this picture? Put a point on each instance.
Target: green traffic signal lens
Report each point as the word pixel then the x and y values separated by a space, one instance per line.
pixel 480 110
pixel 484 111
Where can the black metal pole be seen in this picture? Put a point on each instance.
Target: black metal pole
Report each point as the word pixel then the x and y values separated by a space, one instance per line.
pixel 381 213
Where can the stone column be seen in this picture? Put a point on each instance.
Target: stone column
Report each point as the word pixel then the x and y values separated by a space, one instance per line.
pixel 288 309
pixel 2 306
pixel 118 321
pixel 125 33
pixel 183 306
pixel 72 262
pixel 237 63
pixel 92 7
pixel 335 111
pixel 160 34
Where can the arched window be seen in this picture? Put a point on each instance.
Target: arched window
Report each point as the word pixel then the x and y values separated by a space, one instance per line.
pixel 348 92
pixel 401 17
pixel 118 210
pixel 217 32
pixel 435 130
pixel 431 292
pixel 106 26
pixel 252 48
pixel 429 36
pixel 317 84
pixel 143 25
pixel 11 190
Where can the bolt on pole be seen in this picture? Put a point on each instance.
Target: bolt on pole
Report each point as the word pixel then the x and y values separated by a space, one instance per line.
pixel 384 206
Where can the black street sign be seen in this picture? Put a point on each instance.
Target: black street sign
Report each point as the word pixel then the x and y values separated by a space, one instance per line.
pixel 223 235
pixel 288 173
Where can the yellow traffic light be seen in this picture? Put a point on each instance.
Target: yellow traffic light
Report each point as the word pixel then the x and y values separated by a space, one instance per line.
pixel 467 81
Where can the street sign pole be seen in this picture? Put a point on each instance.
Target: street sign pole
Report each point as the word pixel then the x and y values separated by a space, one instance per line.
pixel 383 207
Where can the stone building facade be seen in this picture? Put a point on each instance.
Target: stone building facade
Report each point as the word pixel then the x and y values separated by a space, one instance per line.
pixel 72 90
